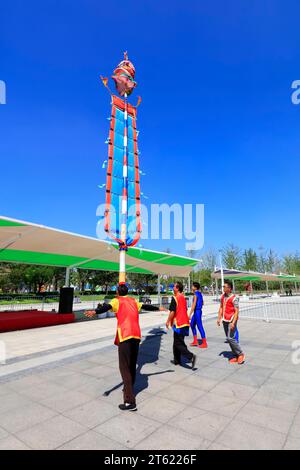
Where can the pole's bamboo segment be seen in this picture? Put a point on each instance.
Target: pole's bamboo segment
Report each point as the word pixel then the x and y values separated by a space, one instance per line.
pixel 124 208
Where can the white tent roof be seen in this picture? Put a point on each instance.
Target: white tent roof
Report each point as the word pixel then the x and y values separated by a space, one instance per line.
pixel 25 242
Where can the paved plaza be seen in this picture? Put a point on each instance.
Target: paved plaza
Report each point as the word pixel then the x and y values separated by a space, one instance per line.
pixel 60 389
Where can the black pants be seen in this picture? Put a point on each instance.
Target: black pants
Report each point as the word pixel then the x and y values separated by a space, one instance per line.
pixel 180 348
pixel 128 354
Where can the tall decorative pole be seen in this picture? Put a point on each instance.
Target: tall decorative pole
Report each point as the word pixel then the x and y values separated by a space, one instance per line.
pixel 122 211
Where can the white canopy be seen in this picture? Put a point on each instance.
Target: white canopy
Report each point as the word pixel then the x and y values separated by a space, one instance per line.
pixel 25 242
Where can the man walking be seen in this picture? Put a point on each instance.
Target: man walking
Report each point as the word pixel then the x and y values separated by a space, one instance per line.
pixel 228 314
pixel 128 337
pixel 179 320
pixel 196 317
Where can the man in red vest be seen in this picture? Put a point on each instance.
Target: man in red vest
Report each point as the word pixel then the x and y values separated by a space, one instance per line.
pixel 229 314
pixel 128 337
pixel 179 320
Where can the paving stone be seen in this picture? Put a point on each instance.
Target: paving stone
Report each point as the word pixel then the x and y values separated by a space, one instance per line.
pixel 51 434
pixel 12 443
pixel 264 416
pixel 245 436
pixel 19 385
pixel 128 429
pixel 181 393
pixel 74 381
pixel 168 438
pixel 4 390
pixel 231 389
pixel 94 388
pixel 24 417
pixel 270 395
pixel 12 401
pixel 203 423
pixel 66 401
pixel 43 391
pixel 81 366
pixel 200 382
pixel 264 394
pixel 102 371
pixel 292 443
pixel 216 373
pixel 216 446
pixel 295 430
pixel 152 384
pixel 287 375
pixel 161 409
pixel 250 377
pixel 92 441
pixel 3 433
pixel 223 405
pixel 93 413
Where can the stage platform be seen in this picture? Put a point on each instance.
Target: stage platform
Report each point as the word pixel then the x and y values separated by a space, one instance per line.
pixel 24 319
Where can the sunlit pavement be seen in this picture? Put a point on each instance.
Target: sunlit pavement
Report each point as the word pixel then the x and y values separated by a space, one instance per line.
pixel 53 383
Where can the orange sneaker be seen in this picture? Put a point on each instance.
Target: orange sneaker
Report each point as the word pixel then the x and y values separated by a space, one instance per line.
pixel 241 359
pixel 233 360
pixel 203 344
pixel 195 342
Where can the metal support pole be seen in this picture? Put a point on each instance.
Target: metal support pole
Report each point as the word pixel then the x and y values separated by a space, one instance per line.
pixel 189 284
pixel 281 287
pixel 267 286
pixel 233 285
pixel 158 289
pixel 222 272
pixel 67 280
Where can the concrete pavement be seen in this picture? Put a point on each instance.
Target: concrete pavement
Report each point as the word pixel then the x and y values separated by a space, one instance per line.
pixel 61 387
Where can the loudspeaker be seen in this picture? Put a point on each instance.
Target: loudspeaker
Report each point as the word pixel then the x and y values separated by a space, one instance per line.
pixel 66 300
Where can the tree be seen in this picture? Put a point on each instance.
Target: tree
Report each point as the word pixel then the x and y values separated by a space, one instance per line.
pixel 231 256
pixel 37 276
pixel 80 277
pixel 291 263
pixel 146 282
pixel 209 260
pixel 268 261
pixel 249 260
pixel 105 279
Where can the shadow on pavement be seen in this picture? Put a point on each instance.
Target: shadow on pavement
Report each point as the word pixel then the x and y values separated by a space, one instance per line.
pixel 148 354
pixel 227 354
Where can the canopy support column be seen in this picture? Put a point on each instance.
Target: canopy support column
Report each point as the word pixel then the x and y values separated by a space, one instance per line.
pixel 189 283
pixel 67 279
pixel 158 289
pixel 281 287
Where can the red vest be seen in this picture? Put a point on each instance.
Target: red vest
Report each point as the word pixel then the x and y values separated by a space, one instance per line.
pixel 181 318
pixel 228 307
pixel 128 320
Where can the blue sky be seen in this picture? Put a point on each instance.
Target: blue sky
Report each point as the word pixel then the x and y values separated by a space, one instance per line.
pixel 217 125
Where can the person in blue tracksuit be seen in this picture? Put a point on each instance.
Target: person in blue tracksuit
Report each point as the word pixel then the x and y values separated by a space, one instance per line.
pixel 196 317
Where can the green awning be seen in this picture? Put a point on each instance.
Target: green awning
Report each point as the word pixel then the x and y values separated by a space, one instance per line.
pixel 24 242
pixel 253 276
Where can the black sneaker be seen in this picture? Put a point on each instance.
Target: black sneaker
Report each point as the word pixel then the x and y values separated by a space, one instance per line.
pixel 194 360
pixel 127 407
pixel 175 363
